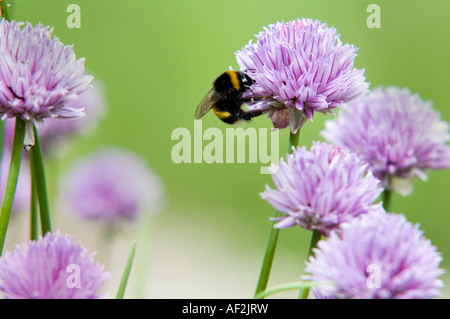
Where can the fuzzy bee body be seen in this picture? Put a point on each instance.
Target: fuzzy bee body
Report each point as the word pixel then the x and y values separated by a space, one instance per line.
pixel 225 98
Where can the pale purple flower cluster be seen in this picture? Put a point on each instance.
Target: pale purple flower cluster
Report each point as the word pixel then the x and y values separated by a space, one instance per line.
pixel 39 76
pixel 376 256
pixel 56 130
pixel 321 188
pixel 112 185
pixel 396 132
pixel 303 67
pixel 53 267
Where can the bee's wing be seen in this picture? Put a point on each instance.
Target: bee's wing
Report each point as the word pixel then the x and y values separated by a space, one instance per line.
pixel 207 103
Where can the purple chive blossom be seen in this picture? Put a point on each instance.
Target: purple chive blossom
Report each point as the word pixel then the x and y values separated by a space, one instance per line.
pixel 321 188
pixel 55 131
pixel 53 267
pixel 303 67
pixel 377 256
pixel 39 76
pixel 396 132
pixel 112 185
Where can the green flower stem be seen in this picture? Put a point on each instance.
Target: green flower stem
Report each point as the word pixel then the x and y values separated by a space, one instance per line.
pixel 5 11
pixel 34 216
pixel 11 182
pixel 387 194
pixel 268 258
pixel 293 140
pixel 316 235
pixel 287 287
pixel 37 163
pixel 126 272
pixel 273 236
pixel 143 259
pixel 386 199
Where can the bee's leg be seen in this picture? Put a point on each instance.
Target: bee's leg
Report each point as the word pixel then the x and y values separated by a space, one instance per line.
pixel 254 99
pixel 249 115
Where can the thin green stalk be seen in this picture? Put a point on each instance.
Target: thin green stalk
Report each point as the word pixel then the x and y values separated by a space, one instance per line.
pixel 315 237
pixel 5 10
pixel 143 259
pixel 386 197
pixel 126 272
pixel 37 162
pixel 293 140
pixel 273 235
pixel 11 182
pixel 268 257
pixel 387 194
pixel 287 287
pixel 34 216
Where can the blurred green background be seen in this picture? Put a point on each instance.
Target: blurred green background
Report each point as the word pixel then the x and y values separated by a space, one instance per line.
pixel 157 59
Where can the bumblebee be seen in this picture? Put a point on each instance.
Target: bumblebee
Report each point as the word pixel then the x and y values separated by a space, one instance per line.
pixel 225 98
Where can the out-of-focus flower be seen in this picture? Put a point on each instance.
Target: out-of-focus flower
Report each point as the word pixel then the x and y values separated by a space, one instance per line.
pixel 303 67
pixel 396 132
pixel 376 256
pixel 39 75
pixel 112 185
pixel 23 189
pixel 53 267
pixel 321 188
pixel 54 131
